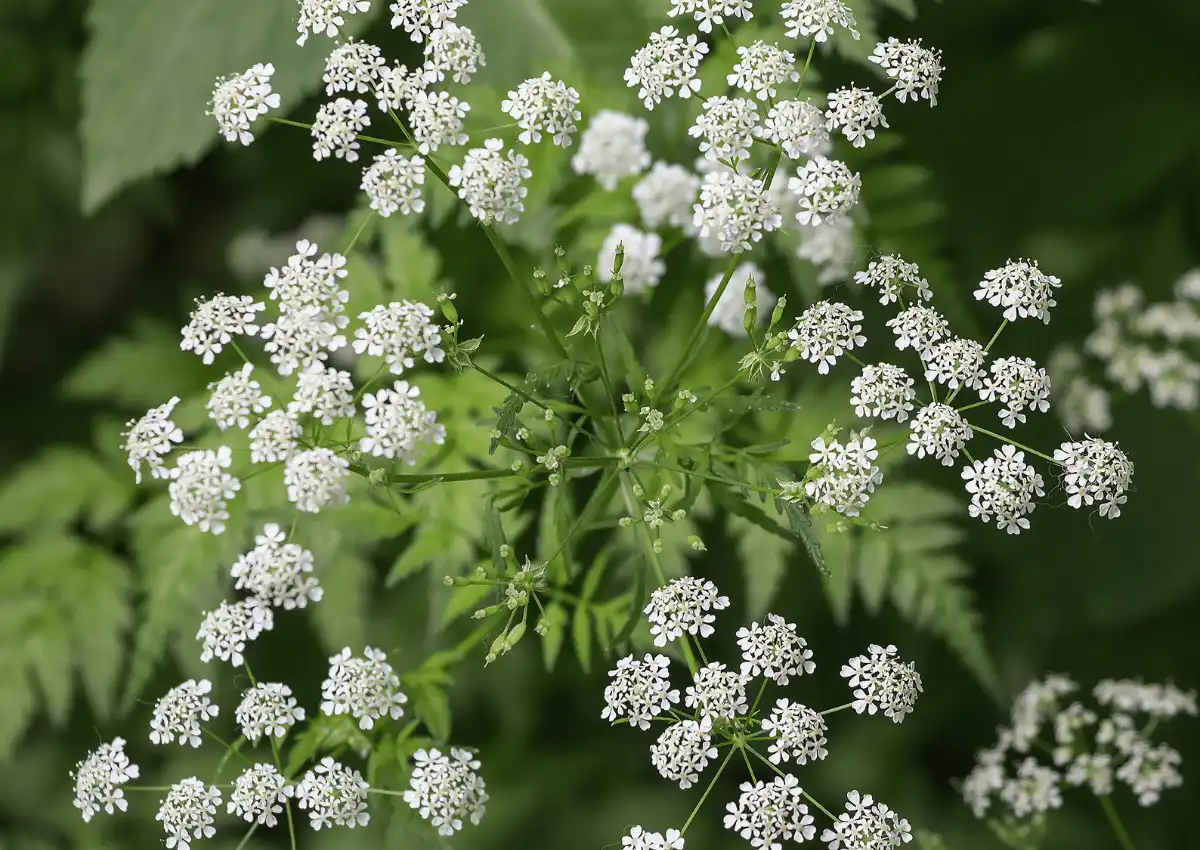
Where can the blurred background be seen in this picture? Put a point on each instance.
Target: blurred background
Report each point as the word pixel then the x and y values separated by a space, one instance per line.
pixel 1065 130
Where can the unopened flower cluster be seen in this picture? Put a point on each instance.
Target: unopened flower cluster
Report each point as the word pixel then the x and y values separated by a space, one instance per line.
pixel 1057 740
pixel 721 708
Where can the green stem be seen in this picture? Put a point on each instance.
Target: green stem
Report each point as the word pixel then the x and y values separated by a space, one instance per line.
pixel 246 838
pixel 727 481
pixel 290 123
pixel 676 374
pixel 971 406
pixel 778 770
pixel 837 709
pixel 1004 439
pixel 354 239
pixel 287 804
pixel 523 286
pixel 704 796
pixel 995 336
pixel 1114 820
pixel 812 48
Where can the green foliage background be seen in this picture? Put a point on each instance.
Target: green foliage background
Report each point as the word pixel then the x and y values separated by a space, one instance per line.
pixel 1065 130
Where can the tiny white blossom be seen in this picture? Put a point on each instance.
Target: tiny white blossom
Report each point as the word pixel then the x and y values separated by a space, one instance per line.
pixel 267 709
pixel 180 713
pixel 326 17
pixel 666 66
pixel 829 246
pixel 542 104
pixel 717 693
pixel 447 789
pixel 726 127
pixel 1017 383
pixel 353 67
pixel 768 813
pixel 892 276
pixel 761 68
pixel 883 391
pixel 817 18
pixel 366 688
pixel 200 488
pixel 238 100
pixel 436 119
pixel 612 147
pixel 301 339
pixel 226 630
pixel 334 795
pixel 235 398
pixel 798 733
pixel 275 437
pixel 328 394
pixel 392 183
pixel 642 267
pixel 1150 770
pixel 856 112
pixel 310 285
pixel 316 479
pixel 398 423
pixel 216 321
pixel 397 332
pixel 918 327
pixel 826 331
pixel 638 838
pixel 735 210
pixel 665 196
pixel 797 127
pixel 867 825
pixel 149 439
pixel 1034 790
pixel 419 18
pixel 640 690
pixel 259 794
pixel 187 811
pixel 730 311
pixel 491 182
pixel 774 650
pixel 882 682
pixel 956 362
pixel 682 606
pixel 1095 471
pixel 452 52
pixel 710 13
pixel 277 572
pixel 940 431
pixel 398 87
pixel 916 69
pixel 1003 487
pixel 683 750
pixel 1161 701
pixel 844 476
pixel 335 129
pixel 99 777
pixel 826 190
pixel 1021 288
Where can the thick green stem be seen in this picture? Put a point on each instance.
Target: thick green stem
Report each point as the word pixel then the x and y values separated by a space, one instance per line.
pixel 704 796
pixel 387 142
pixel 1114 820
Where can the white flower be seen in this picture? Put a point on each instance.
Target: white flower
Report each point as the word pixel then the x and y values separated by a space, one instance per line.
pixel 1081 404
pixel 612 147
pixel 761 68
pixel 544 104
pixel 235 398
pixel 641 267
pixel 884 391
pixel 238 100
pixel 867 825
pixel 817 18
pixel 310 286
pixel 796 126
pixel 940 431
pixel 398 87
pixel 447 790
pixel 301 339
pixel 1037 702
pixel 366 688
pixel 985 779
pixel 882 682
pixel 856 112
pixel 1160 701
pixel 639 839
pixel 956 362
pixel 328 394
pixel 1021 288
pixel 149 439
pixel 215 322
pixel 436 119
pixel 452 51
pixel 274 437
pixel 1094 770
pixel 1003 488
pixel 259 795
pixel 392 183
pixel 918 328
pixel 490 182
pixel 826 190
pixel 845 475
pixel 717 692
pixel 186 813
pixel 710 13
pixel 335 129
pixel 891 275
pixel 726 127
pixel 730 312
pixel 181 711
pixel 683 750
pixel 200 488
pixel 1017 383
pixel 829 246
pixel 1095 471
pixel 666 66
pixel 315 479
pixel 916 69
pixel 396 332
pixel 735 210
pixel 798 733
pixel 326 16
pixel 774 650
pixel 1034 790
pixel 665 196
pixel 334 795
pixel 768 813
pixel 419 18
pixel 267 709
pixel 826 331
pixel 683 605
pixel 398 424
pixel 99 777
pixel 1150 770
pixel 277 572
pixel 353 67
pixel 226 631
pixel 639 690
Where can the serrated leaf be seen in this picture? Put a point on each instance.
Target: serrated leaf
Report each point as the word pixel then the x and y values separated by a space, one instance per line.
pixel 764 561
pixel 411 266
pixel 839 582
pixel 801 524
pixel 342 616
pixel 432 705
pixel 552 641
pixel 151 352
pixel 199 41
pixel 493 536
pixel 462 601
pixel 581 637
pixel 533 40
pixel 17 705
pixel 60 486
pixel 872 568
pixel 507 422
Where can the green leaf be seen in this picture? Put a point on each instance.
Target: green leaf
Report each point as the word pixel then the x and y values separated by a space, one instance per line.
pixel 493 536
pixel 764 561
pixel 532 40
pixel 874 561
pixel 552 642
pixel 58 487
pixel 342 615
pixel 801 523
pixel 464 600
pixel 137 122
pixel 581 637
pixel 432 705
pixel 507 423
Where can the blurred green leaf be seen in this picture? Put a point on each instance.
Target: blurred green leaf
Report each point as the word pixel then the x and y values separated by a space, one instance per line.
pixel 59 487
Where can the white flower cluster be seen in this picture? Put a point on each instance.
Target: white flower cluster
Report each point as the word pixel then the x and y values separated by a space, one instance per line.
pixel 241 99
pixel 99 777
pixel 334 795
pixel 446 789
pixel 268 709
pixel 398 423
pixel 277 572
pixel 729 314
pixel 181 712
pixel 1088 747
pixel 841 476
pixel 718 714
pixel 366 688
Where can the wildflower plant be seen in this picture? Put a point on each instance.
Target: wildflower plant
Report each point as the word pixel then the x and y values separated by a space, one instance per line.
pixel 320 404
